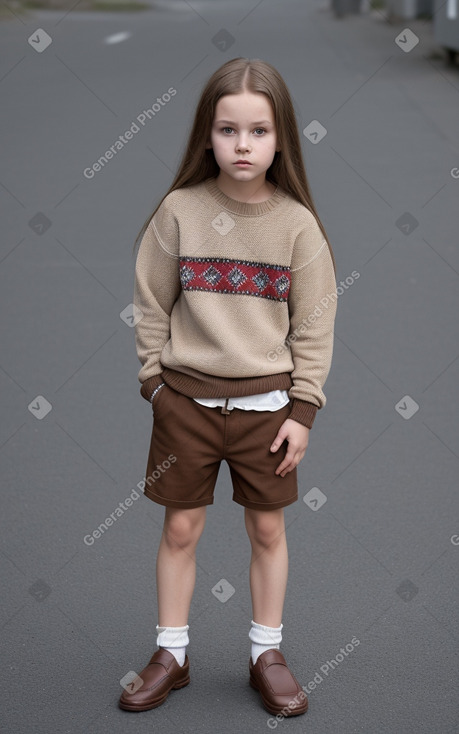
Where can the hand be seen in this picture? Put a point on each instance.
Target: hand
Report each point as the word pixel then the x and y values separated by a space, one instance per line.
pixel 297 436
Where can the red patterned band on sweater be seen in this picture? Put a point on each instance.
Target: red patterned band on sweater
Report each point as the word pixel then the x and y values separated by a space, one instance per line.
pixel 223 275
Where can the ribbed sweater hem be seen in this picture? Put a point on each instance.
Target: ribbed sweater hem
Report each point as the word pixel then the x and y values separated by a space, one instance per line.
pixel 221 387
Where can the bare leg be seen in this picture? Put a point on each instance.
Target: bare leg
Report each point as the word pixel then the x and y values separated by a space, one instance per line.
pixel 176 564
pixel 269 564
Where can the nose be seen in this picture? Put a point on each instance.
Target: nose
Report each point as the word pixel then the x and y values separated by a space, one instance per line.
pixel 242 143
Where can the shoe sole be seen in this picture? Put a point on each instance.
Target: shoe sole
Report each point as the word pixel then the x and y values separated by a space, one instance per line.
pixel 157 702
pixel 278 709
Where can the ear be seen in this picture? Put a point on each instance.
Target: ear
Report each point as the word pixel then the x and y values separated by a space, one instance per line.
pixel 209 145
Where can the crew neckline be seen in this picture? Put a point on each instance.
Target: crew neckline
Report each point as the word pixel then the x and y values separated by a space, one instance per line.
pixel 242 207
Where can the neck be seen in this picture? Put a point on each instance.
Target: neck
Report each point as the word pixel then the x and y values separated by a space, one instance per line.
pixel 250 192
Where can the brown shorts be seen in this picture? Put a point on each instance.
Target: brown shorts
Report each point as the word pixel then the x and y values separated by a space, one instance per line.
pixel 189 441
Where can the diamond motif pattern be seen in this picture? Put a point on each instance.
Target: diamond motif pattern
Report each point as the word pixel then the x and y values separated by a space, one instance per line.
pixel 236 277
pixel 212 275
pixel 282 284
pixel 261 280
pixel 186 274
pixel 240 277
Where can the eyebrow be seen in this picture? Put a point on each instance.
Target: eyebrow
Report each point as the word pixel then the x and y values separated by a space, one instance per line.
pixel 229 122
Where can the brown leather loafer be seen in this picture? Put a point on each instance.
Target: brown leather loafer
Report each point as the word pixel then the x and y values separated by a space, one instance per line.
pixel 160 676
pixel 280 691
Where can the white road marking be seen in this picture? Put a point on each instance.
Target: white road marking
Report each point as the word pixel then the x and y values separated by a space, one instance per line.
pixel 118 37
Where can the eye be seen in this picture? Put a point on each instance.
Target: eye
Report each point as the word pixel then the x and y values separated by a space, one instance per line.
pixel 224 129
pixel 260 129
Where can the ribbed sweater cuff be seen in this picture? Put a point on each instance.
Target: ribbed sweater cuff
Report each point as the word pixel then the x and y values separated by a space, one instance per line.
pixel 303 412
pixel 149 385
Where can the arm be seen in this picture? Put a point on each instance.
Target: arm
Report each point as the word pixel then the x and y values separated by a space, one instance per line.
pixel 312 309
pixel 157 286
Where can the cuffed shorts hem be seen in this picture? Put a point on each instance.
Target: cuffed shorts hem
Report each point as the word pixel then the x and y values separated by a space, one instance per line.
pixel 265 505
pixel 187 505
pixel 179 504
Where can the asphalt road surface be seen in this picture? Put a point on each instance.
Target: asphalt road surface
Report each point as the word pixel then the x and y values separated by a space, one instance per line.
pixel 374 537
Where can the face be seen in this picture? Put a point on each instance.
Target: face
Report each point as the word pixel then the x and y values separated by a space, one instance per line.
pixel 244 129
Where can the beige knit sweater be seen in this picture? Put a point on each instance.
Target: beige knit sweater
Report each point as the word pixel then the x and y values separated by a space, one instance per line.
pixel 235 299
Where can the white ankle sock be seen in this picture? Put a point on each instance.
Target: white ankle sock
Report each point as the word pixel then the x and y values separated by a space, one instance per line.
pixel 174 639
pixel 264 638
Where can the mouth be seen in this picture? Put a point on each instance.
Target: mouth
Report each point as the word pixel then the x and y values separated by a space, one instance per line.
pixel 242 163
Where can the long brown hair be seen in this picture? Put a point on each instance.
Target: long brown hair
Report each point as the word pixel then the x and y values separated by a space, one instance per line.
pixel 287 169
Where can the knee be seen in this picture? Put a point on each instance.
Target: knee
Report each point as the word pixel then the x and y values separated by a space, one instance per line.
pixel 266 530
pixel 182 528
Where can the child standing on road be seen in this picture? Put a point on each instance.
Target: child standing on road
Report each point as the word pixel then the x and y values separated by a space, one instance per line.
pixel 235 281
